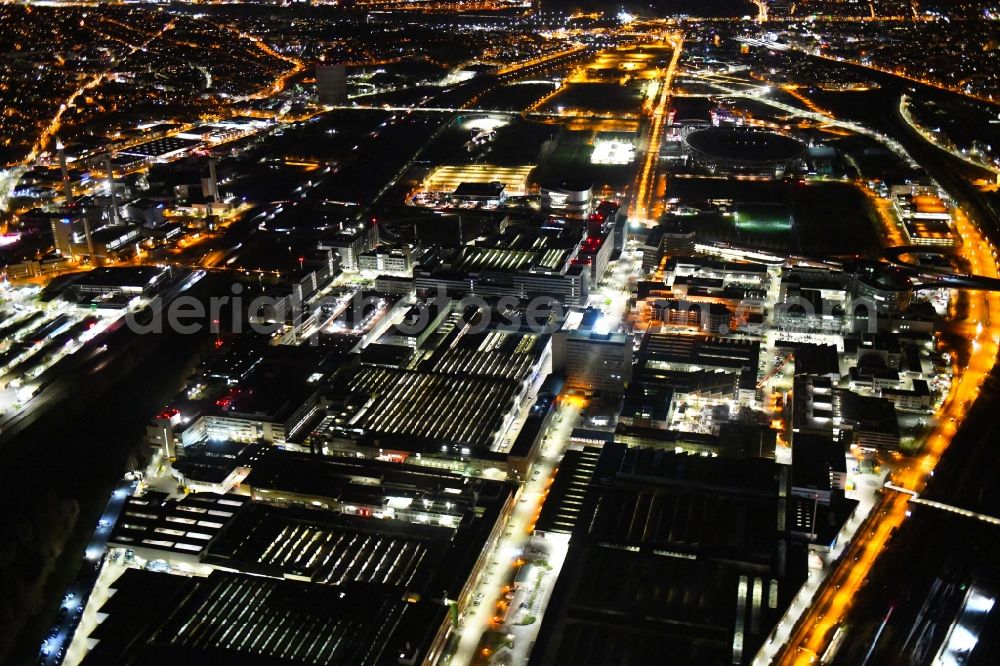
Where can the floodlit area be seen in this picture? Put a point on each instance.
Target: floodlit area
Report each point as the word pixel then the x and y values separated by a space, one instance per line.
pixel 34 336
pixel 612 152
pixel 963 635
pixel 485 123
pixel 448 178
pixel 624 63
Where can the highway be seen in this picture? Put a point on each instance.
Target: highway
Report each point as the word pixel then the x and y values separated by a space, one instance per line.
pixel 111 358
pixel 641 209
pixel 815 629
pixel 932 559
pixel 835 596
pixel 931 138
pixel 547 59
pixel 777 46
pixel 977 327
pixel 759 93
pixel 466 109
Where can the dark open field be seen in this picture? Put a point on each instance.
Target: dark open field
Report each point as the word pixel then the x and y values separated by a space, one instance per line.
pixel 828 217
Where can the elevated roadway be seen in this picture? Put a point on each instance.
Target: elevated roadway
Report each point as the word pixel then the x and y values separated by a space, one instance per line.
pixel 915 498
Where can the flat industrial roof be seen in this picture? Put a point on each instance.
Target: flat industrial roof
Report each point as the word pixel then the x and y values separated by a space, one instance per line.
pixel 706 351
pixel 678 555
pixel 253 620
pixel 360 479
pixel 744 144
pixel 179 526
pixel 562 507
pixel 137 277
pixel 160 147
pixel 456 409
pixel 330 548
pixel 490 353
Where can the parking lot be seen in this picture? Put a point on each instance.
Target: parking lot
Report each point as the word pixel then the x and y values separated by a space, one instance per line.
pixel 34 336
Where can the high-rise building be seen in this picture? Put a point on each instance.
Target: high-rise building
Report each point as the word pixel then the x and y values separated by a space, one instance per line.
pixel 592 359
pixel 71 233
pixel 331 84
pixel 67 231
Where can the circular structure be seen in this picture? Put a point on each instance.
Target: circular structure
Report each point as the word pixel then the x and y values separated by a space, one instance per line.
pixel 743 149
pixel 887 288
pixel 573 196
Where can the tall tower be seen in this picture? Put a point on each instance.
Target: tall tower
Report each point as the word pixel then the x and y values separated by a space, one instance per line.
pixel 210 185
pixel 67 185
pixel 214 178
pixel 111 189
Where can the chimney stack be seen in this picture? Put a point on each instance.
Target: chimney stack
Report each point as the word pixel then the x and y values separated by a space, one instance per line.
pixel 111 189
pixel 213 180
pixel 67 185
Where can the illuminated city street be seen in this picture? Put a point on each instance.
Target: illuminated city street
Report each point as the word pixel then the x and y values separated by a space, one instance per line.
pixel 500 333
pixel 642 202
pixel 514 546
pixel 827 611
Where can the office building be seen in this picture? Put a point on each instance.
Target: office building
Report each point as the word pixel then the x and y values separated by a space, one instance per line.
pixel 708 317
pixel 591 359
pixel 247 392
pixel 386 259
pixel 820 408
